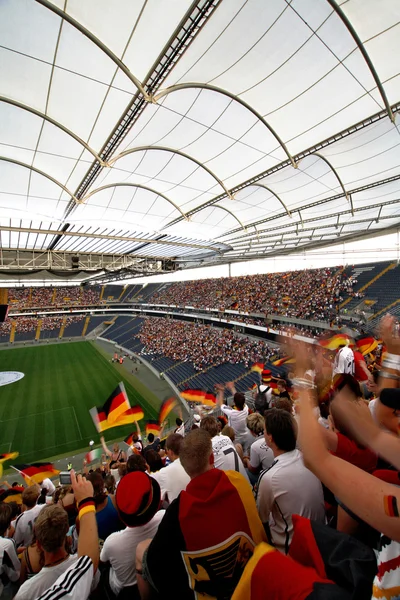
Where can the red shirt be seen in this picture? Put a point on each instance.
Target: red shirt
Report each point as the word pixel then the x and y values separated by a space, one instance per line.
pixel 359 372
pixel 348 450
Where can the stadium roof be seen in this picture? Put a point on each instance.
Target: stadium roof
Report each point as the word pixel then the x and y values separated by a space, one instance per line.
pixel 195 132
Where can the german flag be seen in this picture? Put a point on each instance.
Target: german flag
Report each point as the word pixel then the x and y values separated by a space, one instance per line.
pixel 36 472
pixel 102 423
pixel 153 427
pixel 285 360
pixel 8 456
pixel 258 367
pixel 166 407
pixel 200 396
pixel 117 403
pixel 14 494
pixel 366 344
pixel 333 342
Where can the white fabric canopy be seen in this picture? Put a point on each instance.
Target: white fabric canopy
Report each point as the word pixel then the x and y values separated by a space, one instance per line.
pixel 232 128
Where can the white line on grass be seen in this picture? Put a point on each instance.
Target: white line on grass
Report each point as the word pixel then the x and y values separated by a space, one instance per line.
pixel 46 412
pixel 77 424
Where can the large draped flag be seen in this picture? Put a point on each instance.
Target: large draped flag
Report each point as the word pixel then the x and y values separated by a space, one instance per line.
pixel 200 396
pixel 166 407
pixel 5 457
pixel 116 411
pixel 36 472
pixel 153 427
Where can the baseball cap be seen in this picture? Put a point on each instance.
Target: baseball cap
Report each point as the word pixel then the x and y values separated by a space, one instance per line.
pixel 138 498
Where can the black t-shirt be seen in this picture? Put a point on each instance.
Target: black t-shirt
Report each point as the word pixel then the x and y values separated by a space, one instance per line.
pixel 156 445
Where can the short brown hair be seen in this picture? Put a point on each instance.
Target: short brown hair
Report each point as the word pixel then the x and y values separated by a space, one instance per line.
pixel 281 426
pixel 255 422
pixel 30 495
pixel 196 449
pixel 284 404
pixel 173 443
pixel 229 432
pixel 51 527
pixel 6 513
pixel 239 400
pixel 211 425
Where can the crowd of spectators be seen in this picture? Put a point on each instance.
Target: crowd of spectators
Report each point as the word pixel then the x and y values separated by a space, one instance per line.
pixel 26 324
pixel 298 499
pixel 309 294
pixel 202 345
pixel 34 297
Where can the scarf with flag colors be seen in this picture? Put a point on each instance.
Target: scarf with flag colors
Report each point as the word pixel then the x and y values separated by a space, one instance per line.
pixel 116 411
pixel 36 472
pixel 93 455
pixel 258 367
pixel 201 396
pixel 14 494
pixel 166 407
pixel 153 427
pixel 206 561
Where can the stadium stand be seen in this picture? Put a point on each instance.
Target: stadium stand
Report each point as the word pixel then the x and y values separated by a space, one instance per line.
pixel 112 293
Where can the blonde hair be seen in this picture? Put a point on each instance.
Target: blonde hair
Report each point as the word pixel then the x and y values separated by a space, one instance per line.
pixel 229 431
pixel 30 495
pixel 51 527
pixel 255 422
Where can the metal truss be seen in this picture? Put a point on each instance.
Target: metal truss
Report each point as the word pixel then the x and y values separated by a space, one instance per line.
pixel 12 260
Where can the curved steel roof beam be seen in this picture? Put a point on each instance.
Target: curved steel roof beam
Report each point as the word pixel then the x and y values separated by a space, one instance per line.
pixel 332 168
pixel 361 47
pixel 232 214
pixel 166 149
pixel 135 185
pixel 213 88
pixel 41 115
pixel 58 11
pixel 21 164
pixel 261 185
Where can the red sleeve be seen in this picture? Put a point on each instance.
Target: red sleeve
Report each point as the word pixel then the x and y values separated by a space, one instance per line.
pixel 348 450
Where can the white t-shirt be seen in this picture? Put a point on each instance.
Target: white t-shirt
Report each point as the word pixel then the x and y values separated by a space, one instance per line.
pixel 73 584
pixel 9 563
pixel 261 454
pixel 225 456
pixel 172 480
pixel 237 419
pixel 42 581
pixel 344 361
pixel 49 485
pixel 288 488
pixel 181 430
pixel 120 550
pixel 24 525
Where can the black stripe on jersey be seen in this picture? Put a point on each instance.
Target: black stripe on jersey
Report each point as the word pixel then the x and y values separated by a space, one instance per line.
pixel 60 590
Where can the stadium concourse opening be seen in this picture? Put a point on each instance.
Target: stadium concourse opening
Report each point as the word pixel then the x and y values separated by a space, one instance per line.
pixel 199 299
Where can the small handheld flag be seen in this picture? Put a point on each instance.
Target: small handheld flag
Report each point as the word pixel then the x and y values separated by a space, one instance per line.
pixel 7 456
pixel 36 472
pixel 258 367
pixel 93 455
pixel 116 404
pixel 116 411
pixel 332 343
pixel 153 427
pixel 200 396
pixel 166 407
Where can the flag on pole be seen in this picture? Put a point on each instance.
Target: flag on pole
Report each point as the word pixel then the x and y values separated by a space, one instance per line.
pixel 332 343
pixel 166 407
pixel 116 411
pixel 116 404
pixel 366 344
pixel 36 472
pixel 285 360
pixel 153 427
pixel 7 456
pixel 93 455
pixel 258 367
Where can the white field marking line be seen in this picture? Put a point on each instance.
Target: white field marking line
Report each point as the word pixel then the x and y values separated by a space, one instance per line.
pixel 77 424
pixel 56 446
pixel 46 412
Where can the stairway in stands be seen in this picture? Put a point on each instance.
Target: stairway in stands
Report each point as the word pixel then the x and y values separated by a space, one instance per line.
pixel 371 279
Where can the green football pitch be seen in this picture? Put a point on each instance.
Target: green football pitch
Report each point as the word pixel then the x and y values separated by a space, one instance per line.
pixel 46 413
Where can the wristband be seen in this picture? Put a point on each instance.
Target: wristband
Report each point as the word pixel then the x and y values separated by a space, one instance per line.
pixel 304 384
pixel 87 509
pixel 82 502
